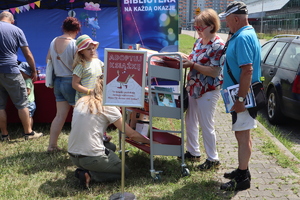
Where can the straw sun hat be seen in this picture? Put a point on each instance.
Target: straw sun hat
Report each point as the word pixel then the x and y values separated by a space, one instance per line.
pixel 84 41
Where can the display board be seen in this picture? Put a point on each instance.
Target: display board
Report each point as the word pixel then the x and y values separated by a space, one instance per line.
pixel 124 77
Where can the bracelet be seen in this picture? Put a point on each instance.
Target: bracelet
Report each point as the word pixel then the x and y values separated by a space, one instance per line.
pixel 88 92
pixel 192 67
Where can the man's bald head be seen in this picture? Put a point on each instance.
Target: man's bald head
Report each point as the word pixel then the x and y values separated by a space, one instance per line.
pixel 7 17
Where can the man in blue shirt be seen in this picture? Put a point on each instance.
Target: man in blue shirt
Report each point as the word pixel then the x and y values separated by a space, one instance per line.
pixel 243 58
pixel 11 81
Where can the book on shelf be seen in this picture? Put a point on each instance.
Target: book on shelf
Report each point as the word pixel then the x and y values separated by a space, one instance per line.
pixel 143 128
pixel 164 99
pixel 154 100
pixel 229 97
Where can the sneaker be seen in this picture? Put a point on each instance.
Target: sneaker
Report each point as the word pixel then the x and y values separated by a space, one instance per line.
pixel 190 157
pixel 207 165
pixel 236 184
pixel 32 135
pixel 234 173
pixel 5 138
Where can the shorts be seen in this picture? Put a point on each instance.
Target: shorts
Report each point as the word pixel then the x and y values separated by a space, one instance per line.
pixel 244 120
pixel 31 108
pixel 13 85
pixel 63 90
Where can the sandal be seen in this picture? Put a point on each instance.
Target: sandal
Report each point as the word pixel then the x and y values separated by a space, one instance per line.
pixel 84 177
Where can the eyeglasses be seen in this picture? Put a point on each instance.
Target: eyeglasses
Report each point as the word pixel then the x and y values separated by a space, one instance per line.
pixel 198 28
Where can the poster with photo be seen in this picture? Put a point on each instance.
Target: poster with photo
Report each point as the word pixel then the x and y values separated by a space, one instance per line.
pixel 124 77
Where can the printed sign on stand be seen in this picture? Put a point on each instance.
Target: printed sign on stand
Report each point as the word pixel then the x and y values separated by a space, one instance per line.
pixel 124 75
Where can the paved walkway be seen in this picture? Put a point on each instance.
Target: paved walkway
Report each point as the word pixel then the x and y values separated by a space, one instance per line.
pixel 269 180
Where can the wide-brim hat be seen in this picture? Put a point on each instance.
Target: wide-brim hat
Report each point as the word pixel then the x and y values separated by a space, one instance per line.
pixel 235 7
pixel 84 41
pixel 24 67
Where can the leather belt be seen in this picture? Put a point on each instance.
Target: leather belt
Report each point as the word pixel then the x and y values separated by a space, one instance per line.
pixel 83 156
pixel 77 156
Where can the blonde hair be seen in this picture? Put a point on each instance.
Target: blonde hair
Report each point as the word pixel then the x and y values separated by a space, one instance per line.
pixel 94 100
pixel 209 17
pixel 80 60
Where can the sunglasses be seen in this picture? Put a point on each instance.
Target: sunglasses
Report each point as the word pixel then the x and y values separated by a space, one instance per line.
pixel 198 28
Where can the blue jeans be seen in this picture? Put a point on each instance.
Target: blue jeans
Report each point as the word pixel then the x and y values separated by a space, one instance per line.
pixel 31 108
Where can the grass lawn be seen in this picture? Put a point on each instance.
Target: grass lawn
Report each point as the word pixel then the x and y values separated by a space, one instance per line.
pixel 28 172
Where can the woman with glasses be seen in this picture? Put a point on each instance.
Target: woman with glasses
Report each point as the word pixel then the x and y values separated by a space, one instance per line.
pixel 86 146
pixel 203 85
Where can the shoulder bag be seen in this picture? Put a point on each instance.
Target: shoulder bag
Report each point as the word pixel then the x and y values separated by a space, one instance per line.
pixel 49 74
pixel 185 94
pixel 257 88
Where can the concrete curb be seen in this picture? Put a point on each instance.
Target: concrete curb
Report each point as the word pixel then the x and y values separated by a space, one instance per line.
pixel 278 143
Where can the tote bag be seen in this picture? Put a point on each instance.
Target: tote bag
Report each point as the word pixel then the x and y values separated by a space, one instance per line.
pixel 49 74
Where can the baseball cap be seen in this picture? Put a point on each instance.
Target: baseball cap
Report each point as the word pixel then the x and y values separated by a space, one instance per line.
pixel 24 67
pixel 235 7
pixel 84 41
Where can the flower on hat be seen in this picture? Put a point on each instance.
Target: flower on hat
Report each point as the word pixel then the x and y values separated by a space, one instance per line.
pixel 84 41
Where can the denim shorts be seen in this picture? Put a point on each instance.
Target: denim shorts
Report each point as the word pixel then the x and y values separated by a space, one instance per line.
pixel 14 86
pixel 63 90
pixel 31 108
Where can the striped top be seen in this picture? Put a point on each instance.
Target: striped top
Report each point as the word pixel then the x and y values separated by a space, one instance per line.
pixel 88 75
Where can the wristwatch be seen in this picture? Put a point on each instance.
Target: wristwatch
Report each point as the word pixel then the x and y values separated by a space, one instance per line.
pixel 240 99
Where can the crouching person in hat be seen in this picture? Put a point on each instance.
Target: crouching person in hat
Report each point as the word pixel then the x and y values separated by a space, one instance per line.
pixel 243 59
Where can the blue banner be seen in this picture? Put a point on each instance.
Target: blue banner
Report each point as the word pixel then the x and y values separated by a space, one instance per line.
pixel 151 23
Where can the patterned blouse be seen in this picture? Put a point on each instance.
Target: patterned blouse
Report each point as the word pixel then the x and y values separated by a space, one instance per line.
pixel 207 55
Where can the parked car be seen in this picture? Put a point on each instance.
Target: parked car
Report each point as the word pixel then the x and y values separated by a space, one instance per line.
pixel 280 67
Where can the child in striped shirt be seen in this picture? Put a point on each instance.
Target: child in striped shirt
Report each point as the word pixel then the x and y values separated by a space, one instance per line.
pixel 87 66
